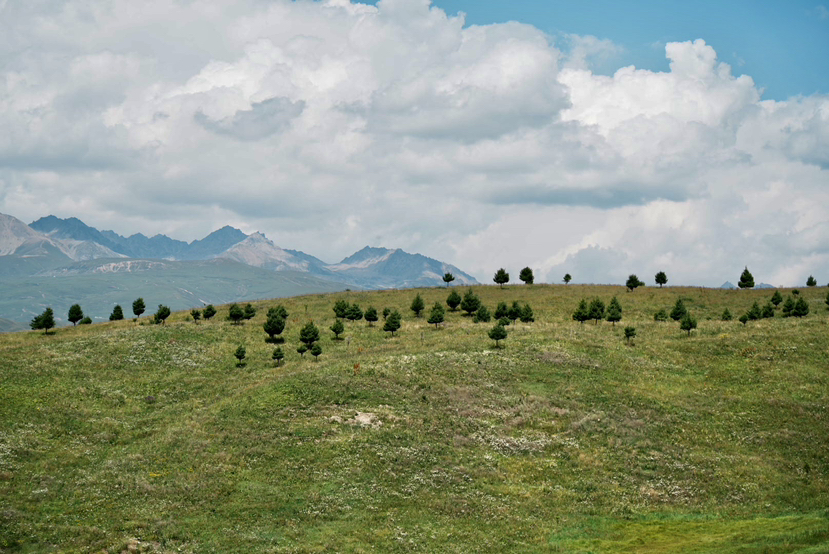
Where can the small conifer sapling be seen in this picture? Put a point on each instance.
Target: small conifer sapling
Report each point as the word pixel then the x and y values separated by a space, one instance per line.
pixel 498 333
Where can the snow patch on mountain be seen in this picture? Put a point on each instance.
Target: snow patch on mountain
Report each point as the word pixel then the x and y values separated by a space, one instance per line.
pixel 259 251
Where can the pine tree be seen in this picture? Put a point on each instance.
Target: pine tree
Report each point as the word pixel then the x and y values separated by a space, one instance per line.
pixel 196 315
pixel 75 314
pixel 501 277
pixel 235 314
pixel 161 314
pixel 273 326
pixel 567 278
pixel 746 280
pixel 278 311
pixel 679 310
pixel 437 315
pixel 337 328
pixel 301 350
pixel 250 311
pixel 630 332
pixel 393 322
pixel 811 282
pixel 501 310
pixel 240 356
pixel 614 311
pixel 514 311
pixel 341 308
pixel 448 278
pixel 660 315
pixel 371 316
pixel 743 319
pixel 776 298
pixel 788 306
pixel 801 307
pixel 453 300
pixel 316 350
pixel 596 310
pixel 526 275
pixel 660 278
pixel 44 321
pixel 386 312
pixel 85 321
pixel 417 305
pixel 526 315
pixel 278 355
pixel 754 312
pixel 726 315
pixel 633 282
pixel 117 313
pixel 138 307
pixel 581 314
pixel 827 300
pixel 482 315
pixel 768 311
pixel 498 333
pixel 209 311
pixel 309 334
pixel 688 323
pixel 470 302
pixel 354 313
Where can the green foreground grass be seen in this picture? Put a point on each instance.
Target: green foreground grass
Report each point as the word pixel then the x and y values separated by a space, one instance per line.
pixel 135 437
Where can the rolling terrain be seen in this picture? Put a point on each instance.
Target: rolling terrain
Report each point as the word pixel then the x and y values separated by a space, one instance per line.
pixel 129 436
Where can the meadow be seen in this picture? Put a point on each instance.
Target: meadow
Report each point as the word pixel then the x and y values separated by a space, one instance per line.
pixel 133 437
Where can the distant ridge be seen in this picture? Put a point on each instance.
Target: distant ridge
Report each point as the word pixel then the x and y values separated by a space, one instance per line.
pixel 728 285
pixel 56 260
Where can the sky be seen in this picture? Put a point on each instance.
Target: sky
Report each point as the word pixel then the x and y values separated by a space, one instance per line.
pixel 593 138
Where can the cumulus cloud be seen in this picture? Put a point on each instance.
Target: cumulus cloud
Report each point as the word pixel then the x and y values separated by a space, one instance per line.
pixel 332 125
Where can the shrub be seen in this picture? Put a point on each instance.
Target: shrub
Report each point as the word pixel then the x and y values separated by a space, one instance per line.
pixel 278 355
pixel 209 311
pixel 660 315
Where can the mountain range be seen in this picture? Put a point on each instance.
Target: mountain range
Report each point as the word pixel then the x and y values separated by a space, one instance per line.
pixel 53 254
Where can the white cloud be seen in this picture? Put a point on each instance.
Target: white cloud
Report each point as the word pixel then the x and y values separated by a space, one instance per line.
pixel 332 125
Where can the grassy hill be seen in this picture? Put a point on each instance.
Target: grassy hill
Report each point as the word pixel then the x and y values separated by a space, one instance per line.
pixel 130 436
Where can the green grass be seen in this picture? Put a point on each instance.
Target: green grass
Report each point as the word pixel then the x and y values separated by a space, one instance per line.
pixel 134 436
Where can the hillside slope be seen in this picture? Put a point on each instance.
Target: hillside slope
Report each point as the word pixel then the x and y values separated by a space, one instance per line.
pixel 138 437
